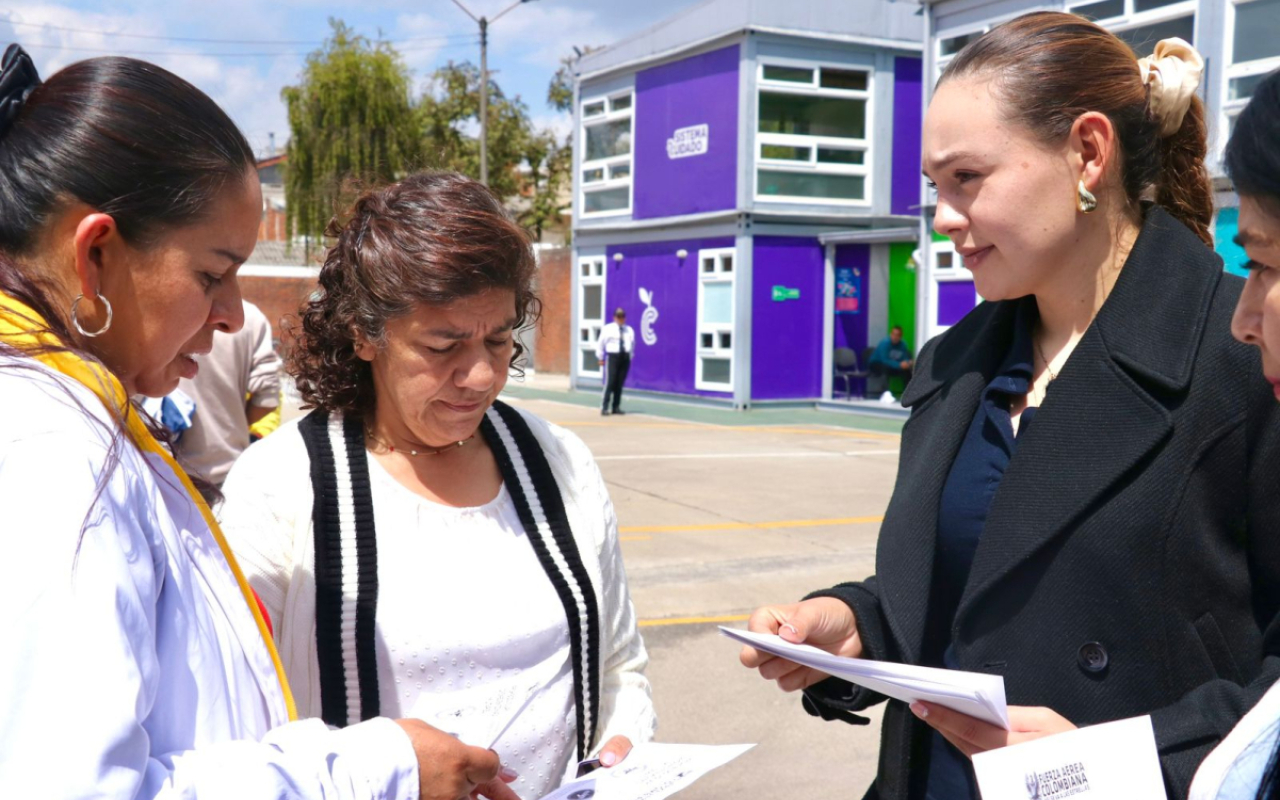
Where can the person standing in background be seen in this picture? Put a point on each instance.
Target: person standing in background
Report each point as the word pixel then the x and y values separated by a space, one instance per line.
pixel 617 343
pixel 237 386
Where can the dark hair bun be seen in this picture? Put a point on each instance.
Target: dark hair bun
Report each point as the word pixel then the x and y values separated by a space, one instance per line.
pixel 18 79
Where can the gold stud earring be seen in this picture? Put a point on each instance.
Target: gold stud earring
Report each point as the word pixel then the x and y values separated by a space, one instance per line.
pixel 1085 201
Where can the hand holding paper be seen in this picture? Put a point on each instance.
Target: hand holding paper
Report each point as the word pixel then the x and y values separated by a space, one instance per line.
pixel 651 772
pixel 975 694
pixel 824 622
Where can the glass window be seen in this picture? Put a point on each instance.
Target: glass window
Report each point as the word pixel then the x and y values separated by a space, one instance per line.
pixel 716 370
pixel 593 175
pixel 589 361
pixel 838 155
pixel 726 263
pixel 593 109
pixel 709 264
pixel 847 79
pixel 808 184
pixel 785 152
pixel 717 302
pixel 808 115
pixel 593 302
pixel 1100 10
pixel 1242 88
pixel 946 259
pixel 772 72
pixel 609 139
pixel 708 340
pixel 1147 5
pixel 620 103
pixel 619 171
pixel 1257 33
pixel 726 340
pixel 953 45
pixel 606 200
pixel 1143 40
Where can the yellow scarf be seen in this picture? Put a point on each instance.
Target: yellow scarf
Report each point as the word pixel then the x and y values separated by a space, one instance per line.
pixel 22 328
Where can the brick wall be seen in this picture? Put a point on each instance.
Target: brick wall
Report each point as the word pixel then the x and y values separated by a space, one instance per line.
pixel 277 297
pixel 554 285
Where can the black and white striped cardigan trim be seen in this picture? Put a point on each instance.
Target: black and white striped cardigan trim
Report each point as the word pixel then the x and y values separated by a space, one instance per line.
pixel 346 599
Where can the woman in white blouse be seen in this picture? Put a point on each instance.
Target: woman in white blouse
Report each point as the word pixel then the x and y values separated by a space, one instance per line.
pixel 136 662
pixel 426 550
pixel 1246 765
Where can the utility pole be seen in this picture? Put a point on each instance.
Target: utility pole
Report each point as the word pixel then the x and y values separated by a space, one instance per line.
pixel 483 22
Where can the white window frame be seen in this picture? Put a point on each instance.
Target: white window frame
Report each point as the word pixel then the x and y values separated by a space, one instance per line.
pixel 956 272
pixel 1245 69
pixel 591 272
pixel 716 329
pixel 606 165
pixel 1132 18
pixel 941 61
pixel 813 166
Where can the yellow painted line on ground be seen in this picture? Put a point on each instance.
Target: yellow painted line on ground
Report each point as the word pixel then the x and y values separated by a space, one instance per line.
pixel 747 526
pixel 634 538
pixel 653 623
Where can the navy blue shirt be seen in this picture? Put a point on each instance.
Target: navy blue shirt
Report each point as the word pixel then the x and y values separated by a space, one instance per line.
pixel 962 514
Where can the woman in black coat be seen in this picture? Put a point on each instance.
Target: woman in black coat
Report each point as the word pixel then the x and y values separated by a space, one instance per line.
pixel 1086 497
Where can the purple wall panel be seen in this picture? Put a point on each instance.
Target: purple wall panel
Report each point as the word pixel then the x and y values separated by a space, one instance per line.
pixel 906 135
pixel 683 96
pixel 666 365
pixel 786 336
pixel 955 299
pixel 851 329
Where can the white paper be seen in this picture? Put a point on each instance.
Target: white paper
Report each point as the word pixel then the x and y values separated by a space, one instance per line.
pixel 979 695
pixel 1111 761
pixel 650 771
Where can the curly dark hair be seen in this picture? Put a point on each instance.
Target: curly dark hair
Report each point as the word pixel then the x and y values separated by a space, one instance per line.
pixel 434 238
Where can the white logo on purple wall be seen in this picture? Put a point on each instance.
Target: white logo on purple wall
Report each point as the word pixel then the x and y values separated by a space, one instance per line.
pixel 690 141
pixel 649 317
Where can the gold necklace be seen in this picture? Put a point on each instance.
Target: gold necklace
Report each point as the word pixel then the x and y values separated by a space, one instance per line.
pixel 411 452
pixel 1047 368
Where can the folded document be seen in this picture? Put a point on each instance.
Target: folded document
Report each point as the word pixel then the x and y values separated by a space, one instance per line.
pixel 973 693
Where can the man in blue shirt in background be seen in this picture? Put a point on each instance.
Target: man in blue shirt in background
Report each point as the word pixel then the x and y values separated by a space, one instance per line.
pixel 891 357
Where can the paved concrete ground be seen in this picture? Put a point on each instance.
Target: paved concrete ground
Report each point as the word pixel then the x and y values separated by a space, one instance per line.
pixel 719 514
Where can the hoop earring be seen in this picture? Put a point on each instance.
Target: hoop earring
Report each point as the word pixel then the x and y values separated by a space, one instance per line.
pixel 75 319
pixel 1085 201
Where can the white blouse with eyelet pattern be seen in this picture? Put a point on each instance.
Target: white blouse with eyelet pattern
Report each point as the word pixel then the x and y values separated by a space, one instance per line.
pixel 468 623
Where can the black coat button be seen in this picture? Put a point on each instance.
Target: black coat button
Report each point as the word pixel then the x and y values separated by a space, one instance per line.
pixel 1093 657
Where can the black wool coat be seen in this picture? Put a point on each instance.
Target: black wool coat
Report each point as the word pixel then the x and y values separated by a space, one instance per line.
pixel 1130 562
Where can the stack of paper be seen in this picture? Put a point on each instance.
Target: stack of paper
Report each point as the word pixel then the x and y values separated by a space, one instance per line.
pixel 978 695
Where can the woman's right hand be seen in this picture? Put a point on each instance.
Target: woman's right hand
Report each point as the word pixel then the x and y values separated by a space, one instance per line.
pixel 824 622
pixel 451 770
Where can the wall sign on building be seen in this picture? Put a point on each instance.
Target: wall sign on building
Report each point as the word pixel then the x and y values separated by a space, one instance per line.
pixel 848 290
pixel 691 141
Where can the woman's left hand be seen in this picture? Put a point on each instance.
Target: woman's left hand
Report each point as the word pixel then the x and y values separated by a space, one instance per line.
pixel 971 735
pixel 614 751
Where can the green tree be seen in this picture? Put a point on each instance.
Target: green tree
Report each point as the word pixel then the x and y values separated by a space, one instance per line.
pixel 351 119
pixel 449 121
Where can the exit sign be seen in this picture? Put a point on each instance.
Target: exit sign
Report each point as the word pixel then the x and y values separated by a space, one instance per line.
pixel 781 293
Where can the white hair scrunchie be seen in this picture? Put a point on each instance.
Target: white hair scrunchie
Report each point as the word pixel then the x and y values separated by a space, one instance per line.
pixel 1173 73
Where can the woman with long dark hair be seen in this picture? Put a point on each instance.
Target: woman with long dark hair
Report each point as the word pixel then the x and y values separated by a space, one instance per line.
pixel 1086 500
pixel 136 662
pixel 1246 766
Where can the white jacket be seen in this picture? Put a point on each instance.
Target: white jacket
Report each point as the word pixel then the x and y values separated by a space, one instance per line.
pixel 132 666
pixel 267 520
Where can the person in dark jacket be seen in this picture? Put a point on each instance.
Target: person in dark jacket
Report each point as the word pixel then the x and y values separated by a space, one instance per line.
pixel 1246 766
pixel 1085 501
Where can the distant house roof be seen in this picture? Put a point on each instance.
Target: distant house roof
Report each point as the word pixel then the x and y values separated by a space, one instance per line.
pixel 280 254
pixel 889 23
pixel 272 161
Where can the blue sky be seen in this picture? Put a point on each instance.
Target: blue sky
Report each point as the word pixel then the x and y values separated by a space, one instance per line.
pixel 525 46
